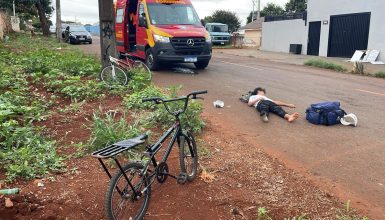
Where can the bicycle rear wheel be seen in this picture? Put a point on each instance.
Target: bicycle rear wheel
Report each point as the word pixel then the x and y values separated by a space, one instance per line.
pixel 113 75
pixel 141 67
pixel 120 202
pixel 188 156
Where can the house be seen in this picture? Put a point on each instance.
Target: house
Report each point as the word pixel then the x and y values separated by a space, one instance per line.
pixel 330 28
pixel 253 32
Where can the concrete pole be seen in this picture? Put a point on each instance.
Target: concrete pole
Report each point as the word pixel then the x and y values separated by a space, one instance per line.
pixel 252 13
pixel 14 10
pixel 107 30
pixel 58 21
pixel 259 9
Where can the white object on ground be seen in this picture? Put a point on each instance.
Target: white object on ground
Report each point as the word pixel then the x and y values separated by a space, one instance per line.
pixel 349 119
pixel 377 63
pixel 219 104
pixel 357 56
pixel 371 56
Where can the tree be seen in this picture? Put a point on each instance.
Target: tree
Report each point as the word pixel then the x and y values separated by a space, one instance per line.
pixel 272 9
pixel 294 6
pixel 249 18
pixel 29 9
pixel 225 17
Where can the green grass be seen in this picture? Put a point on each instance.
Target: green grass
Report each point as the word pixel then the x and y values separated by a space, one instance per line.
pixel 325 65
pixel 380 74
pixel 27 65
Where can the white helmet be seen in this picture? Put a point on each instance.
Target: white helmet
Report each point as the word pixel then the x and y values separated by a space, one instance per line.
pixel 349 119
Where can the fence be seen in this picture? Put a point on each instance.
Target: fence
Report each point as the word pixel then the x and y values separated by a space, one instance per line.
pixel 300 15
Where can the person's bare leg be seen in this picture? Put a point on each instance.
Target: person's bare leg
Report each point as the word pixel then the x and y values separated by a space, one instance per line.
pixel 291 117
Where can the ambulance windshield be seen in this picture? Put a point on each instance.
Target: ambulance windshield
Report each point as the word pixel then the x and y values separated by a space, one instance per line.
pixel 168 14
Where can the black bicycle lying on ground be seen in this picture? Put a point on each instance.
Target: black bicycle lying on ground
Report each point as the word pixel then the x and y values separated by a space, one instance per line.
pixel 129 190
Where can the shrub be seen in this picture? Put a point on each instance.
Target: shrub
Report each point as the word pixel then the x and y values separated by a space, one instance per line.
pixel 380 74
pixel 134 100
pixel 325 65
pixel 25 152
pixel 110 128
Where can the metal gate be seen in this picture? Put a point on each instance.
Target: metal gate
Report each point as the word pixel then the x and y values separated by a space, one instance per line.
pixel 348 33
pixel 314 38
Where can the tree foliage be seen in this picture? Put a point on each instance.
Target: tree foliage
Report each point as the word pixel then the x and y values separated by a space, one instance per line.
pixel 29 9
pixel 294 6
pixel 249 17
pixel 225 17
pixel 272 9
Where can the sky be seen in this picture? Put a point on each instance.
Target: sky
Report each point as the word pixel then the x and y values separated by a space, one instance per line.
pixel 86 12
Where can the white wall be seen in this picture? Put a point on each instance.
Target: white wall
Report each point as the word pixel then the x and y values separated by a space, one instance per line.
pixel 278 35
pixel 321 10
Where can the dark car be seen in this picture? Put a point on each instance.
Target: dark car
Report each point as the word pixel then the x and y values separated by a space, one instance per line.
pixel 75 34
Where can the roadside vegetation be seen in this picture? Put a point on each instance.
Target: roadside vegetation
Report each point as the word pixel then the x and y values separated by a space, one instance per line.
pixel 325 65
pixel 39 77
pixel 380 74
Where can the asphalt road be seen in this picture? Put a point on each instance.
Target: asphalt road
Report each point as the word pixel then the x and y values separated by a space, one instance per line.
pixel 349 161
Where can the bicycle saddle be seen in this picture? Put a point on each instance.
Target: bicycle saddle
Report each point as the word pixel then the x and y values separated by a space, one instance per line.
pixel 120 146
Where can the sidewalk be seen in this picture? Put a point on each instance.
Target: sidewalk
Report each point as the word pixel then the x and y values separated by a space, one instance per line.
pixel 295 59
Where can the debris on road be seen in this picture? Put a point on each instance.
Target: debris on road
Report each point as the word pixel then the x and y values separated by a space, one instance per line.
pixel 219 104
pixel 9 191
pixel 207 177
pixel 8 203
pixel 183 70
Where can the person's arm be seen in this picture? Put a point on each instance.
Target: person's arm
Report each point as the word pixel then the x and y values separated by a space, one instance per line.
pixel 252 102
pixel 284 104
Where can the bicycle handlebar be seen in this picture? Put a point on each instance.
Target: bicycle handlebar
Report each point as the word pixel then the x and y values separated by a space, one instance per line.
pixel 159 100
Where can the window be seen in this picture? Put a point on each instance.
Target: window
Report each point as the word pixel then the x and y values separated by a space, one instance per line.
pixel 141 10
pixel 164 14
pixel 119 15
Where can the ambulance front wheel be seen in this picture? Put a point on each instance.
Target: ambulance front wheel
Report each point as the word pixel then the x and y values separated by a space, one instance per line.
pixel 200 65
pixel 150 60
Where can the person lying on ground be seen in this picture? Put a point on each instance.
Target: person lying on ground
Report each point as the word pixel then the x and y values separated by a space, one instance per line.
pixel 265 105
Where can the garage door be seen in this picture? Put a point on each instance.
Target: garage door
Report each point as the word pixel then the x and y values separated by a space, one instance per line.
pixel 348 33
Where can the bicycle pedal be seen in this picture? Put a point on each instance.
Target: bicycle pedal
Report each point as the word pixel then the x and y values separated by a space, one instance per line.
pixel 181 178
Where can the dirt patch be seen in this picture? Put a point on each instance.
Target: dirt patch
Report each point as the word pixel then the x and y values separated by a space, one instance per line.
pixel 244 178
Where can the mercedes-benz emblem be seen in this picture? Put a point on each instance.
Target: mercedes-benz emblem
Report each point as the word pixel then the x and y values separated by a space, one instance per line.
pixel 190 42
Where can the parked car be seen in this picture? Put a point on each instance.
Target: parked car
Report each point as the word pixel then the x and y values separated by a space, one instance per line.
pixel 75 34
pixel 219 33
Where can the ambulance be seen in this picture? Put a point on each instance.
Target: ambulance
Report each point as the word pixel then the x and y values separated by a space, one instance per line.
pixel 162 31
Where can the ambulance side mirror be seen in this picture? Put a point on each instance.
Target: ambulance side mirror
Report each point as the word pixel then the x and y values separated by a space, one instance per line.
pixel 142 21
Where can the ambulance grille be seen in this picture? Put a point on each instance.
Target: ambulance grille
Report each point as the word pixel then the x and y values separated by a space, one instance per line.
pixel 188 42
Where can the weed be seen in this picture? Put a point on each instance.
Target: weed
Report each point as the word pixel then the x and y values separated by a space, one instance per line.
pixel 380 74
pixel 358 68
pixel 110 128
pixel 348 213
pixel 301 217
pixel 325 65
pixel 263 214
pixel 203 151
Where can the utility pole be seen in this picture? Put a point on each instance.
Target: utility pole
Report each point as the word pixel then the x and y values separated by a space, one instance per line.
pixel 58 21
pixel 14 10
pixel 252 13
pixel 107 30
pixel 259 9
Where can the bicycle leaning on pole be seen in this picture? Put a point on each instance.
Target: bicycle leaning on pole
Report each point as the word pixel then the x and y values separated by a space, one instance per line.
pixel 119 71
pixel 129 190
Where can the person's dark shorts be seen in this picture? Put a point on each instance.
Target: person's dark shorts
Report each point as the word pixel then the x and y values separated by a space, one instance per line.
pixel 266 106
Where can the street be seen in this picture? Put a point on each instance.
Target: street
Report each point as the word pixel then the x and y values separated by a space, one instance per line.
pixel 348 161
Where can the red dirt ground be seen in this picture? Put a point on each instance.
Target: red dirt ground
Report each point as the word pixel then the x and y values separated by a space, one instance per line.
pixel 245 178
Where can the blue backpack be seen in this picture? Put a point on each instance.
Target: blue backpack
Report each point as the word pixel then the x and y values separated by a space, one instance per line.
pixel 325 113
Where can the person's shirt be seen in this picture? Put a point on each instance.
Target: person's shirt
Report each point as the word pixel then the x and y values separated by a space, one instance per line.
pixel 260 97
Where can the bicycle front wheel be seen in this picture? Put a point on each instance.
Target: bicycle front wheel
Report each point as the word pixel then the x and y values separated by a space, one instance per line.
pixel 113 75
pixel 121 202
pixel 188 156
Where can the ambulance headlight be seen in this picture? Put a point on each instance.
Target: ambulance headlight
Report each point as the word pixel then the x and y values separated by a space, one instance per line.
pixel 208 38
pixel 161 39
